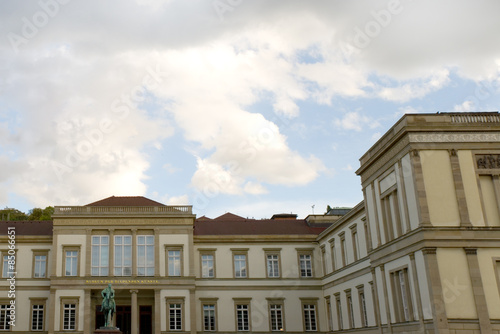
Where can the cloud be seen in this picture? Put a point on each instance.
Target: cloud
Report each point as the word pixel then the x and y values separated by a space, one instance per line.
pixel 83 86
pixel 355 121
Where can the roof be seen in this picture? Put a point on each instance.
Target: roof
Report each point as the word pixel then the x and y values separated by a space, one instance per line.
pixel 126 201
pixel 231 224
pixel 27 227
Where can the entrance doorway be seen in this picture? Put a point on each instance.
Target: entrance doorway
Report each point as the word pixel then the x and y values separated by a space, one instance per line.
pixel 123 318
pixel 145 319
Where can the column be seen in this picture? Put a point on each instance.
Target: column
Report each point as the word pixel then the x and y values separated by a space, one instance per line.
pixel 418 178
pixel 157 327
pixel 438 306
pixel 416 286
pixel 86 312
pixel 477 288
pixel 52 311
pixel 134 313
pixel 459 190
pixel 386 299
pixel 192 310
pixel 88 254
pixel 376 304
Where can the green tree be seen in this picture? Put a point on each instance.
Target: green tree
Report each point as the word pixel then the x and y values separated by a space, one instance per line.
pixel 41 214
pixel 12 214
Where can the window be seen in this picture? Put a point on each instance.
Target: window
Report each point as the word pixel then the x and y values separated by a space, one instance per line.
pixel 242 318
pixel 390 214
pixel 350 308
pixel 174 260
pixel 209 315
pixel 37 313
pixel 368 241
pixel 338 305
pixel 123 255
pixel 240 263
pixel 362 307
pixel 5 266
pixel 355 242
pixel 39 264
pixel 305 265
pixel 69 316
pixel 273 268
pixel 207 263
pixel 343 246
pixel 5 316
pixel 309 316
pixel 401 295
pixel 276 316
pixel 174 314
pixel 100 255
pixel 145 255
pixel 332 251
pixel 71 260
pixel 329 313
pixel 323 259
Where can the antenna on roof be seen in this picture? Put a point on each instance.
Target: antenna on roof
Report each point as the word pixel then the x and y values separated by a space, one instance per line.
pixel 312 206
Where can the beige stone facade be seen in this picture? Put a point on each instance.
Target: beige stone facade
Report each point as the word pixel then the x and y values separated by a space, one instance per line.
pixel 420 253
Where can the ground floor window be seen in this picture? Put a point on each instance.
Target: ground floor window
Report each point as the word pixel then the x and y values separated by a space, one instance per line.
pixel 37 317
pixel 4 317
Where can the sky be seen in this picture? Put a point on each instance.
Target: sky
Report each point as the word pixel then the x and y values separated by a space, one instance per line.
pixel 250 107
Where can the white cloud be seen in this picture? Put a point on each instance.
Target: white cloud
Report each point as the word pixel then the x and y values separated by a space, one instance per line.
pixel 355 121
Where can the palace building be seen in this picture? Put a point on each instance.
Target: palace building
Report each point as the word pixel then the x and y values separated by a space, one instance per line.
pixel 419 254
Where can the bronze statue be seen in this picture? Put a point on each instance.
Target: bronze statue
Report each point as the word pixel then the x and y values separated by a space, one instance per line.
pixel 108 306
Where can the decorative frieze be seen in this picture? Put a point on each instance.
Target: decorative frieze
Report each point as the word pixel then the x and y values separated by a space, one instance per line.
pixel 488 161
pixel 474 137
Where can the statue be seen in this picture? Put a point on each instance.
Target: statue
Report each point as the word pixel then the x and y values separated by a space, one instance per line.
pixel 108 306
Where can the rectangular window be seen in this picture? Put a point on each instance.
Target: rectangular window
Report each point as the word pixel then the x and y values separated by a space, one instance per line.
pixel 362 307
pixel 69 317
pixel 100 255
pixel 391 214
pixel 309 317
pixel 240 265
pixel 276 317
pixel 40 266
pixel 305 264
pixel 145 255
pixel 350 307
pixel 174 262
pixel 123 255
pixel 4 316
pixel 401 292
pixel 71 263
pixel 37 317
pixel 338 305
pixel 5 266
pixel 343 248
pixel 209 317
pixel 273 268
pixel 242 318
pixel 332 251
pixel 207 266
pixel 175 316
pixel 329 313
pixel 355 242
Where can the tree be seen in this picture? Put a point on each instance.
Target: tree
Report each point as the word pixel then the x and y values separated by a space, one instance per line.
pixel 39 214
pixel 12 214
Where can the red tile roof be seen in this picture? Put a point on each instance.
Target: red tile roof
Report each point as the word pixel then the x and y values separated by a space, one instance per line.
pixel 126 201
pixel 230 224
pixel 27 227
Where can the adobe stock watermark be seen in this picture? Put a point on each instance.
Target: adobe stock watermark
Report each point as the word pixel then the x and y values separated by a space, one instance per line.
pixel 372 29
pixel 31 25
pixel 120 110
pixel 11 275
pixel 222 7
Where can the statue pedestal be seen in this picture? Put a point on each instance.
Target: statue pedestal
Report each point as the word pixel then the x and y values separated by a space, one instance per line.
pixel 108 330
